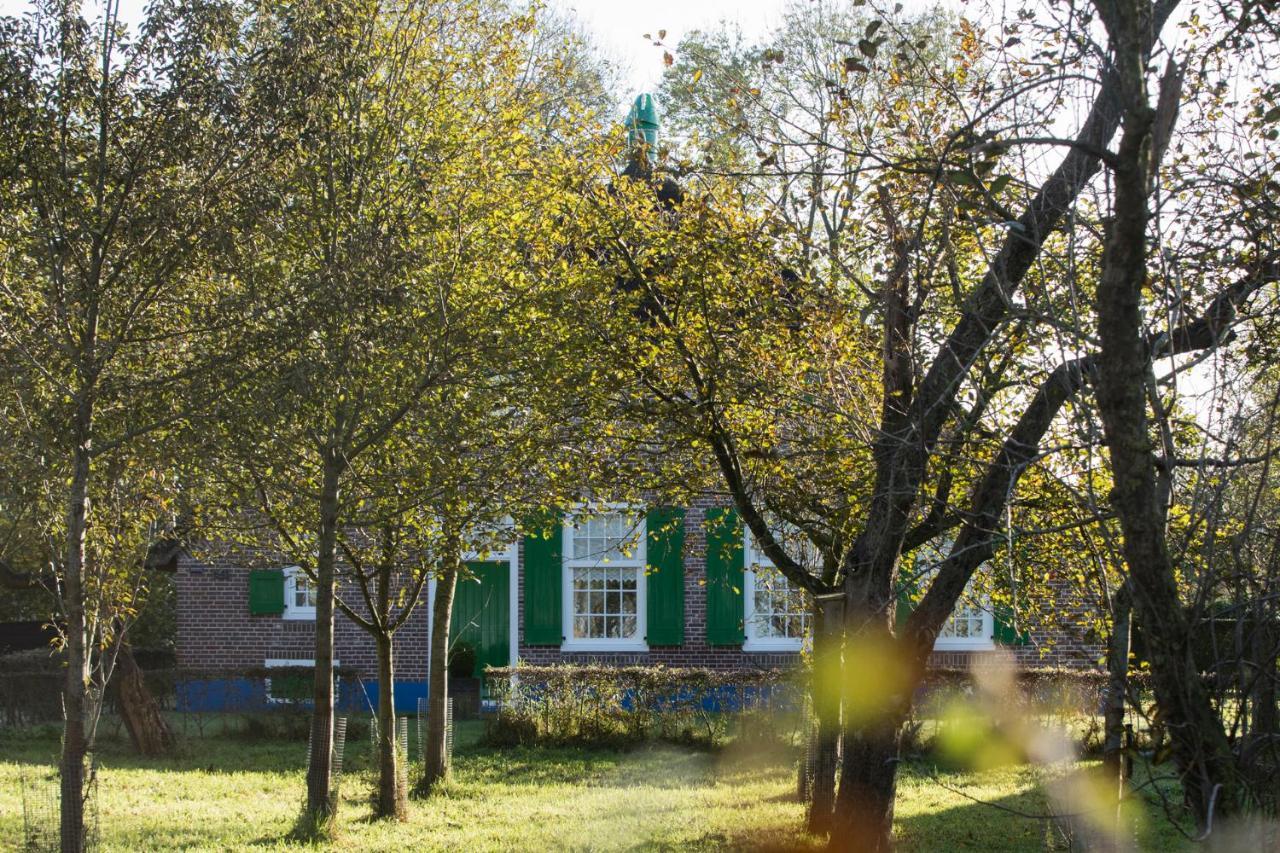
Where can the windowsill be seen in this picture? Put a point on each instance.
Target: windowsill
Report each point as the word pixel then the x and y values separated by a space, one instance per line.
pixel 772 645
pixel 299 616
pixel 604 646
pixel 964 645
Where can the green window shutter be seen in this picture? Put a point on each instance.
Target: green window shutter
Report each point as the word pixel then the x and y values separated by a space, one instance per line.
pixel 906 603
pixel 903 612
pixel 724 578
pixel 664 598
pixel 1004 631
pixel 543 581
pixel 266 592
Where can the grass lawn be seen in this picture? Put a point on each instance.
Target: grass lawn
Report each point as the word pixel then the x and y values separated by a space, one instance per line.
pixel 231 793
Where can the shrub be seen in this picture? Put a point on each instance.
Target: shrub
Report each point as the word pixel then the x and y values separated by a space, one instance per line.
pixel 617 707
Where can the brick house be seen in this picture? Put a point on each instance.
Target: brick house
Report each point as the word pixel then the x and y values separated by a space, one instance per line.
pixel 676 587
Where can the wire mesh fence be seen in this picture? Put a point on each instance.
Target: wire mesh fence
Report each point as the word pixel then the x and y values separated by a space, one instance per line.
pixel 422 729
pixel 339 750
pixel 41 815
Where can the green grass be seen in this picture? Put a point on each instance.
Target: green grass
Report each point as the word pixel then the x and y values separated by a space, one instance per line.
pixel 229 793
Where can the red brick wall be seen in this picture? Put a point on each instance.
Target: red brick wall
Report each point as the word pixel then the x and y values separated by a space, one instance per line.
pixel 695 651
pixel 215 630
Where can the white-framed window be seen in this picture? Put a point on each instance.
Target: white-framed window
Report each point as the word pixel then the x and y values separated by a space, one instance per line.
pixel 971 626
pixel 294 689
pixel 777 611
pixel 299 594
pixel 604 584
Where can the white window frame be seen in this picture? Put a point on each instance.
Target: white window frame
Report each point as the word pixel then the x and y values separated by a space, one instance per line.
pixel 638 561
pixel 970 644
pixel 964 644
pixel 752 643
pixel 292 610
pixel 272 663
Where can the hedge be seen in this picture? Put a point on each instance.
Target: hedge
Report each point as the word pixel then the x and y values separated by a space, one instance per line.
pixel 618 706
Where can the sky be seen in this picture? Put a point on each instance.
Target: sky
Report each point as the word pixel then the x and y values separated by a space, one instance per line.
pixel 618 26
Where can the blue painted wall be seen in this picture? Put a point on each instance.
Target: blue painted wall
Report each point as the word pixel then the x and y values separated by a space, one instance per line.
pixel 243 695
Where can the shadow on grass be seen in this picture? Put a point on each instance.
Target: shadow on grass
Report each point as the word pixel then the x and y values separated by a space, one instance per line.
pixel 224 755
pixel 995 825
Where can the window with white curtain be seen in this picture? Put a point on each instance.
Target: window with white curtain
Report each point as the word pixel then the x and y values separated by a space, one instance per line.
pixel 604 560
pixel 777 611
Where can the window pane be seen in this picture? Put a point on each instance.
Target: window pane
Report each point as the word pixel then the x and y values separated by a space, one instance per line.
pixel 968 622
pixel 605 603
pixel 779 609
pixel 606 538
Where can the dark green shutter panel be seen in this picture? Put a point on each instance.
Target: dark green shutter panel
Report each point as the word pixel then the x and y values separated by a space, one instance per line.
pixel 1003 630
pixel 724 578
pixel 481 615
pixel 906 603
pixel 266 592
pixel 543 579
pixel 664 598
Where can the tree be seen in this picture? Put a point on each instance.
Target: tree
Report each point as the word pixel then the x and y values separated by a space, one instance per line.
pixel 395 269
pixel 1211 774
pixel 953 285
pixel 120 154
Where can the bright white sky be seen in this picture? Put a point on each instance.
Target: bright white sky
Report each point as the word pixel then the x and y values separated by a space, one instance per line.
pixel 617 25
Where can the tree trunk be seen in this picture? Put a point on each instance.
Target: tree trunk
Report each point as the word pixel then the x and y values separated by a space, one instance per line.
pixel 391 783
pixel 868 784
pixel 1117 684
pixel 436 769
pixel 828 622
pixel 75 686
pixel 1263 698
pixel 148 731
pixel 1201 749
pixel 320 801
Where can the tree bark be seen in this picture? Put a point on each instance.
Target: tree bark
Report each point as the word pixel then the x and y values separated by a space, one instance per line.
pixel 148 731
pixel 1117 684
pixel 868 785
pixel 76 685
pixel 436 769
pixel 391 802
pixel 1201 748
pixel 828 622
pixel 1115 763
pixel 320 801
